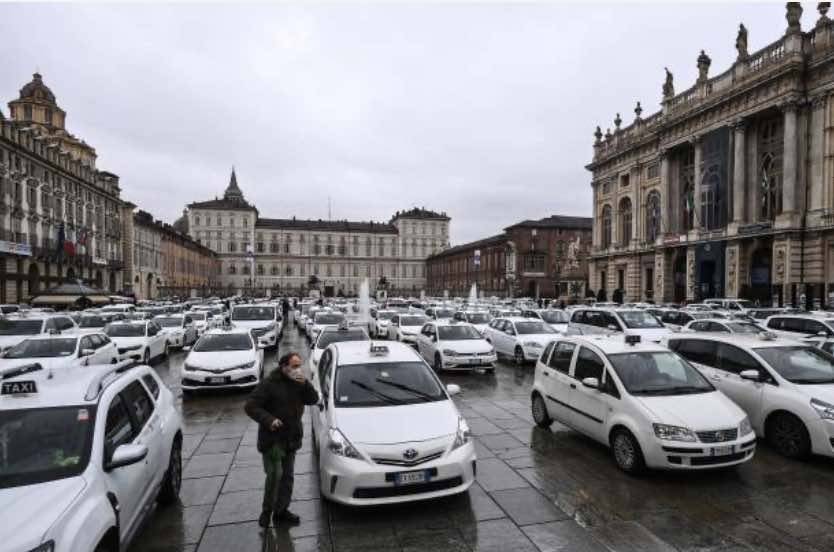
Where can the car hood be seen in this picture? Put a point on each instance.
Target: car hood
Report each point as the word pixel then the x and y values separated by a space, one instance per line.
pixel 822 391
pixel 411 330
pixel 46 362
pixel 560 327
pixel 467 346
pixel 698 412
pixel 219 359
pixel 252 324
pixel 541 339
pixel 397 424
pixel 35 507
pixel 128 341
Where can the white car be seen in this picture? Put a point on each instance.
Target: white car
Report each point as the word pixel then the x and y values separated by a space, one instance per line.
pixel 380 320
pixel 387 430
pixel 800 326
pixel 523 339
pixel 589 321
pixel 479 319
pixel 786 387
pixel 14 328
pixel 87 452
pixel 264 321
pixel 455 346
pixel 178 329
pixel 223 358
pixel 722 325
pixel 440 313
pixel 61 351
pixel 88 323
pixel 139 340
pixel 324 319
pixel 334 335
pixel 202 321
pixel 651 407
pixel 558 319
pixel 406 327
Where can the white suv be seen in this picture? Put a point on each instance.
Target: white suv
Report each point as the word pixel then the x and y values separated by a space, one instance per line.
pixel 87 452
pixel 786 387
pixel 453 345
pixel 627 321
pixel 14 328
pixel 523 339
pixel 649 405
pixel 800 326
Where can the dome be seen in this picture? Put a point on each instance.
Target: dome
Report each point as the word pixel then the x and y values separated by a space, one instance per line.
pixel 37 90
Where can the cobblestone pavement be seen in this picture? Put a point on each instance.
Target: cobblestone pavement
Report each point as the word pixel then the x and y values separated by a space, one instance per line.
pixel 536 490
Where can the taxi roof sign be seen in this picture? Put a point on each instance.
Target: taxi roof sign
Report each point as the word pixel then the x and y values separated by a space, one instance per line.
pixel 379 350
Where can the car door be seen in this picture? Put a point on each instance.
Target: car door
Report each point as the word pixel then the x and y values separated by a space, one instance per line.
pixel 322 382
pixel 100 356
pixel 393 327
pixel 85 345
pixel 589 406
pixel 156 339
pixel 557 381
pixel 747 394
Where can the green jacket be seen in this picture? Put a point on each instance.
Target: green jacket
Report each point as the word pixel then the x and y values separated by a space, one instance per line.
pixel 277 396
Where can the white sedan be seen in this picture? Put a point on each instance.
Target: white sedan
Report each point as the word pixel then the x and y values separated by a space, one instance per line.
pixel 380 320
pixel 455 346
pixel 406 327
pixel 523 339
pixel 141 340
pixel 387 430
pixel 223 358
pixel 178 329
pixel 334 335
pixel 61 351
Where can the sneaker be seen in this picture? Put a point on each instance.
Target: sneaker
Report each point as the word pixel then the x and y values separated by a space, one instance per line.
pixel 287 516
pixel 263 521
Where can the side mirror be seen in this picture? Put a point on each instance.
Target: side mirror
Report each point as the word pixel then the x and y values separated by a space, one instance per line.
pixel 261 345
pixel 86 352
pixel 613 327
pixel 751 375
pixel 822 334
pixel 186 348
pixel 592 383
pixel 453 389
pixel 125 455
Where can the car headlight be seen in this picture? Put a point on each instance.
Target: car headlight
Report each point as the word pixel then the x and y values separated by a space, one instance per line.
pixel 745 427
pixel 463 434
pixel 132 348
pixel 245 366
pixel 824 409
pixel 674 433
pixel 271 328
pixel 339 445
pixel 449 352
pixel 190 367
pixel 532 345
pixel 48 546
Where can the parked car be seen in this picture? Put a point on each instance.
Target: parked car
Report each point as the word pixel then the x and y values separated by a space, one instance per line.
pixel 522 339
pixel 61 351
pixel 455 345
pixel 724 326
pixel 406 327
pixel 223 358
pixel 139 340
pixel 627 321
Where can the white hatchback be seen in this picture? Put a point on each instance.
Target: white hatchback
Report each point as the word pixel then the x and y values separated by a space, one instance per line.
pixel 223 358
pixel 387 430
pixel 522 339
pixel 651 407
pixel 141 340
pixel 61 351
pixel 452 345
pixel 406 327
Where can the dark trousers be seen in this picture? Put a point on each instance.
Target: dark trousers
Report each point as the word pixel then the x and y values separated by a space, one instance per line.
pixel 279 466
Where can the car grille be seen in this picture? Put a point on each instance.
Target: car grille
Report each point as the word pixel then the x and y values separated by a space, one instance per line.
pixel 484 354
pixel 402 490
pixel 259 332
pixel 415 462
pixel 718 436
pixel 712 460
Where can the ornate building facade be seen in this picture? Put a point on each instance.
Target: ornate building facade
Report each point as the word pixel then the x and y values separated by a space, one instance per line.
pixel 728 191
pixel 60 217
pixel 291 255
pixel 534 258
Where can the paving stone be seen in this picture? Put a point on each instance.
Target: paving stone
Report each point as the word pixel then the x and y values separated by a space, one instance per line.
pixel 208 464
pixel 240 537
pixel 494 474
pixel 499 442
pixel 237 507
pixel 213 446
pixel 202 490
pixel 499 535
pixel 527 506
pixel 242 479
pixel 482 426
pixel 630 536
pixel 562 536
pixel 178 527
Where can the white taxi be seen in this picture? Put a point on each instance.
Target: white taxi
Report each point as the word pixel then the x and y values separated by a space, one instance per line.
pixel 387 430
pixel 523 339
pixel 324 319
pixel 264 321
pixel 380 320
pixel 406 327
pixel 140 340
pixel 87 453
pixel 344 332
pixel 61 351
pixel 223 358
pixel 786 387
pixel 177 328
pixel 479 319
pixel 453 345
pixel 14 328
pixel 650 406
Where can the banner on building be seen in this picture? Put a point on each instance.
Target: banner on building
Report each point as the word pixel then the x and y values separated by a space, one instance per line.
pixel 16 248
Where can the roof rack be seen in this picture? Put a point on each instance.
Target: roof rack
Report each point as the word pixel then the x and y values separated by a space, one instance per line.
pixel 105 378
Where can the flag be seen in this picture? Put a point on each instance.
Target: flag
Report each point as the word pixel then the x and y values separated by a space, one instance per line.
pixel 62 236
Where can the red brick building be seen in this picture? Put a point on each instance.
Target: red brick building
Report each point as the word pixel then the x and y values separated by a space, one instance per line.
pixel 534 258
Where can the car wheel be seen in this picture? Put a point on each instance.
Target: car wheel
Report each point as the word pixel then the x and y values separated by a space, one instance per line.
pixel 438 363
pixel 789 436
pixel 170 490
pixel 166 350
pixel 627 453
pixel 540 415
pixel 519 356
pixel 146 358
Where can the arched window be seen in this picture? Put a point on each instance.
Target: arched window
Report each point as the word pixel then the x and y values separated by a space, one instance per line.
pixel 687 189
pixel 606 226
pixel 625 221
pixel 771 140
pixel 653 216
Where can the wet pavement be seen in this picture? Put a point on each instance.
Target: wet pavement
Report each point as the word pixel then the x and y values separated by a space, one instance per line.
pixel 537 490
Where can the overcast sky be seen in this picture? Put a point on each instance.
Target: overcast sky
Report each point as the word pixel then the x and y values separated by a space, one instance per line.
pixel 484 111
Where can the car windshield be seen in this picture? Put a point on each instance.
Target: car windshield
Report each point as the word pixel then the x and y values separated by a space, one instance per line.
pixel 223 342
pixel 508 314
pixel 444 313
pixel 478 318
pixel 353 334
pixel 42 348
pixel 385 384
pixel 554 317
pixel 92 322
pixel 457 333
pixel 658 373
pixel 253 313
pixel 20 327
pixel 798 364
pixel 638 319
pixel 412 320
pixel 169 322
pixel 537 327
pixel 197 316
pixel 125 330
pixel 329 318
pixel 744 327
pixel 385 315
pixel 44 444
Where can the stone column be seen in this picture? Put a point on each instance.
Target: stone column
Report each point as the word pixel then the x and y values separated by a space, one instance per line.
pixel 789 159
pixel 636 208
pixel 666 200
pixel 690 274
pixel 739 170
pixel 696 186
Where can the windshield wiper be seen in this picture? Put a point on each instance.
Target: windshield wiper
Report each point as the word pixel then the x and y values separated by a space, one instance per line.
pixel 409 389
pixel 676 390
pixel 387 398
pixel 813 381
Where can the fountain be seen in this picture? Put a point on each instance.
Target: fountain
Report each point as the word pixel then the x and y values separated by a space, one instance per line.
pixel 473 295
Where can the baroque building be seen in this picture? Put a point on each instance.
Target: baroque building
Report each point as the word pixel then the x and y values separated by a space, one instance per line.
pixel 259 255
pixel 728 190
pixel 545 258
pixel 60 216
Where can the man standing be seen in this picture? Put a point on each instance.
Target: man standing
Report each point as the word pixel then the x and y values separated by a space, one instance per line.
pixel 277 404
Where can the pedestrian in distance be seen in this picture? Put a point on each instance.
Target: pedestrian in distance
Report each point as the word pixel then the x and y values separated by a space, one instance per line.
pixel 277 404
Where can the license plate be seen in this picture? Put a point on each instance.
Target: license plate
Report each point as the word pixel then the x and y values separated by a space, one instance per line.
pixel 217 380
pixel 722 451
pixel 407 478
pixel 474 361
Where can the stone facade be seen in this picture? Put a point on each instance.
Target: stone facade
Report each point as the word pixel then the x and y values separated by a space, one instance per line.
pixel 534 258
pixel 729 189
pixel 60 217
pixel 263 255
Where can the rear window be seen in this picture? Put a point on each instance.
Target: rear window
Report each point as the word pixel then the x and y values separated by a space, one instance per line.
pixel 20 327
